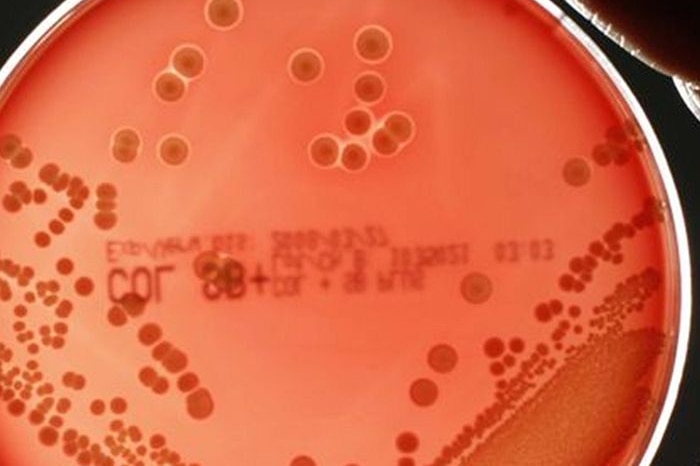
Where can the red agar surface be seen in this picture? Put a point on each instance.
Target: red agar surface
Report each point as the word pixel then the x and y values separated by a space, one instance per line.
pixel 328 233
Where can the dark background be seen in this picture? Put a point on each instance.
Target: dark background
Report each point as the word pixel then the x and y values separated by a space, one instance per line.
pixel 678 132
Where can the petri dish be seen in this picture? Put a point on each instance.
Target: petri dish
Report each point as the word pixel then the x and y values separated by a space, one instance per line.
pixel 332 233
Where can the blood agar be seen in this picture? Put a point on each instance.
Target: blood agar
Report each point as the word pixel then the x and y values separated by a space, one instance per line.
pixel 331 233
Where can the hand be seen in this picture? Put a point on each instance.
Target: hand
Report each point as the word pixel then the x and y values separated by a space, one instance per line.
pixel 663 33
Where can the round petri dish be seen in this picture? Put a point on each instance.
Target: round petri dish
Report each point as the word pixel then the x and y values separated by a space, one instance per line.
pixel 332 233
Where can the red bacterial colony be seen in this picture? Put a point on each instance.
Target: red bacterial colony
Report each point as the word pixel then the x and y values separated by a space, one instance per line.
pixel 329 233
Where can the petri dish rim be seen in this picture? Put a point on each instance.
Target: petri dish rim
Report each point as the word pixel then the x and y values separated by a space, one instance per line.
pixel 70 11
pixel 664 181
